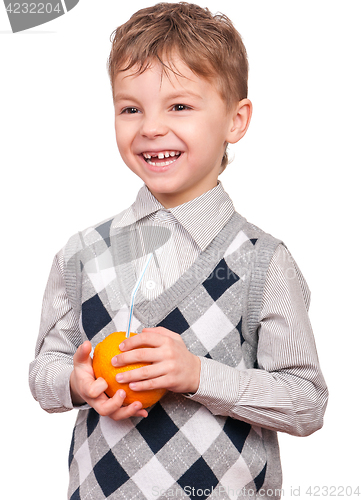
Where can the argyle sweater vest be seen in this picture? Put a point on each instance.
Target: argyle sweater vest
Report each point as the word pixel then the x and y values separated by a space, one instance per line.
pixel 181 450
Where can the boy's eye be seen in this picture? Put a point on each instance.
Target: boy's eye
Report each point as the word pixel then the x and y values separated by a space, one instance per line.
pixel 180 107
pixel 130 111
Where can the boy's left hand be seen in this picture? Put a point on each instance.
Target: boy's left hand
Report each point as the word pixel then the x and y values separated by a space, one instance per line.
pixel 173 366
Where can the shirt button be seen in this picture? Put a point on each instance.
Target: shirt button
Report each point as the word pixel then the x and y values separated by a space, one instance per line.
pixel 162 214
pixel 150 285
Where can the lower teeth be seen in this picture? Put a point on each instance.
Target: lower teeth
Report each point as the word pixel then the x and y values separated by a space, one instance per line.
pixel 164 163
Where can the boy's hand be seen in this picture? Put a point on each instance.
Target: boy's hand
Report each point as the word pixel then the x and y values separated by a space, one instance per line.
pixel 173 366
pixel 85 388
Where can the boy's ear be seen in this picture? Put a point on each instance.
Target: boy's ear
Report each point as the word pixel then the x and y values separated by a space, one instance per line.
pixel 240 121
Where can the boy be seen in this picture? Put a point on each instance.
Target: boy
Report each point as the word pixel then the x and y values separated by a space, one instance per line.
pixel 221 309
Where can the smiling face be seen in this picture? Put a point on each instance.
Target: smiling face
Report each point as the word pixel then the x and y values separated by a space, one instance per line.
pixel 172 130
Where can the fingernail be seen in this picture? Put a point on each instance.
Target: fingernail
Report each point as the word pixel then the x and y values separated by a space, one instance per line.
pixel 114 361
pixel 119 377
pixel 121 347
pixel 122 393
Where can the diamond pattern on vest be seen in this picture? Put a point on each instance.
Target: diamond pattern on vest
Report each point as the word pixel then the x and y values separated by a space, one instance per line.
pixel 181 450
pixel 180 441
pixel 199 479
pixel 175 321
pixel 94 316
pixel 157 418
pixel 220 280
pixel 109 474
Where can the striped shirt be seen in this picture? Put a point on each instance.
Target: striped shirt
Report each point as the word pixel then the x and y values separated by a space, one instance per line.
pixel 285 332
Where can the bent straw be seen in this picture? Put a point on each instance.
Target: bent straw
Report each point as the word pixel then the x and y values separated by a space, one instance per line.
pixel 134 295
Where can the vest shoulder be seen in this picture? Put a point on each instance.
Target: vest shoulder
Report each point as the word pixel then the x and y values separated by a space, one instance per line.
pixel 245 229
pixel 98 232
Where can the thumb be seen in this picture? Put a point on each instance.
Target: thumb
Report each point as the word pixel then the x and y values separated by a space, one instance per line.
pixel 82 354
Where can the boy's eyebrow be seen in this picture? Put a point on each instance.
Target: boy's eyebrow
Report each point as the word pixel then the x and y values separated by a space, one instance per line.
pixel 180 95
pixel 125 97
pixel 173 95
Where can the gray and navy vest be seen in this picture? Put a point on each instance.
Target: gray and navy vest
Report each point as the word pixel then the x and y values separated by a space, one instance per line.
pixel 181 450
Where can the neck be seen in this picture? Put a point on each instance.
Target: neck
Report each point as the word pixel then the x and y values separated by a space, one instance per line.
pixel 171 200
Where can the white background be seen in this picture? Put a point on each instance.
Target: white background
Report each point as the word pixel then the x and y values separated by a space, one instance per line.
pixel 294 175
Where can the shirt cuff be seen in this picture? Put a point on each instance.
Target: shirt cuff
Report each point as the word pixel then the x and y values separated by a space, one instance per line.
pixel 62 388
pixel 219 386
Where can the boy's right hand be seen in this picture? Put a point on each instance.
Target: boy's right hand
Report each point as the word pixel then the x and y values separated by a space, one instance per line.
pixel 85 388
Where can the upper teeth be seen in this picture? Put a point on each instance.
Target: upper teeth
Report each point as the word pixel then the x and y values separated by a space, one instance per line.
pixel 166 154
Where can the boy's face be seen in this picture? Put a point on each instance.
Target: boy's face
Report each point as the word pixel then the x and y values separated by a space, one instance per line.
pixel 172 131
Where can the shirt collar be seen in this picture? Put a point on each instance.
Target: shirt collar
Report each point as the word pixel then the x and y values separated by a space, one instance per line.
pixel 144 205
pixel 203 217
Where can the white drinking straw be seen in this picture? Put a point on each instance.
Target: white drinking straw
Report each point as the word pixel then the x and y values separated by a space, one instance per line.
pixel 134 294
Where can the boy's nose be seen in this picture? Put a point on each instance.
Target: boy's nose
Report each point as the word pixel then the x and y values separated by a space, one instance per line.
pixel 153 127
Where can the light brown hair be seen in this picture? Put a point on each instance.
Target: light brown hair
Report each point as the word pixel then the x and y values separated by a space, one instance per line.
pixel 208 44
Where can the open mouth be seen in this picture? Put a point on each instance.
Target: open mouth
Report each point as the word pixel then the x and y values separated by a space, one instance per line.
pixel 162 158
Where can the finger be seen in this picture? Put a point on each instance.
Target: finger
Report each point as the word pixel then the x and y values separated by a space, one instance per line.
pixel 138 344
pixel 150 339
pixel 162 382
pixel 133 410
pixel 137 355
pixel 143 373
pixel 112 407
pixel 94 388
pixel 106 406
pixel 82 353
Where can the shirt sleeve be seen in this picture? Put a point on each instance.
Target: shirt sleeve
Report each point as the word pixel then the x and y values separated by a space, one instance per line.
pixel 59 337
pixel 287 391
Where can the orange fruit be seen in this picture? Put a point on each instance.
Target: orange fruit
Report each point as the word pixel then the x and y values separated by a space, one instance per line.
pixel 102 367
